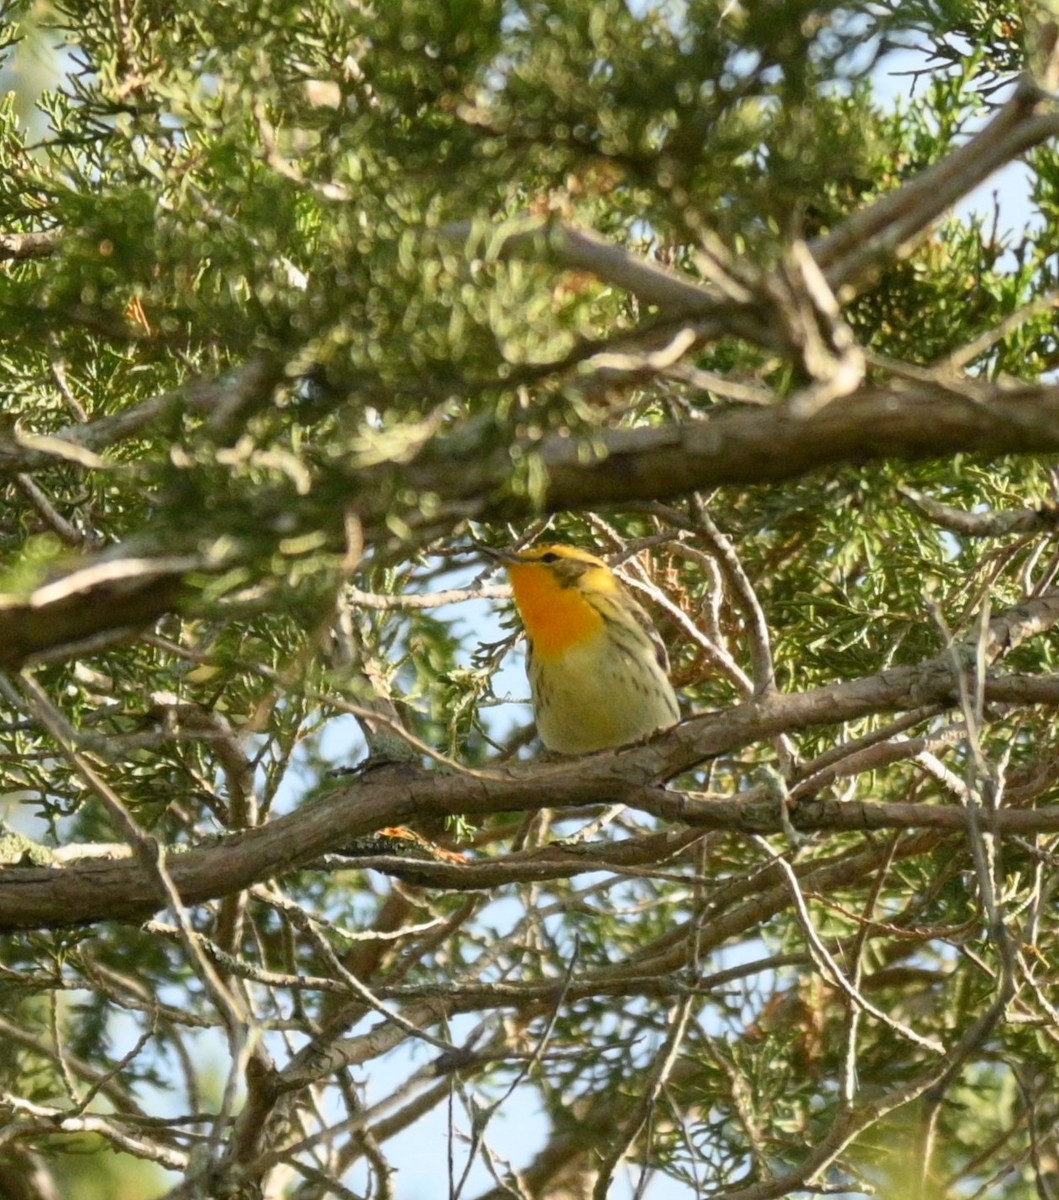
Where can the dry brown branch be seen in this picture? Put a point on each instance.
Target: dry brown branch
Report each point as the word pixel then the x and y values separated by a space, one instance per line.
pixel 17 247
pixel 920 421
pixel 984 524
pixel 915 421
pixel 898 218
pixel 120 888
pixel 111 597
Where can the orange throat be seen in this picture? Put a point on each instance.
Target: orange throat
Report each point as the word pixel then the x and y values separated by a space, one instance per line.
pixel 555 617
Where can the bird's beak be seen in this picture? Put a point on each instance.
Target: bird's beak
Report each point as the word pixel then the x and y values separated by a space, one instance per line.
pixel 504 557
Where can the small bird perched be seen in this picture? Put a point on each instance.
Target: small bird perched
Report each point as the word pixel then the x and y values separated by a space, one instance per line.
pixel 598 670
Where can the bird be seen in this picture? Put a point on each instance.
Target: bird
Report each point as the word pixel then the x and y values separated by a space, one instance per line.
pixel 598 670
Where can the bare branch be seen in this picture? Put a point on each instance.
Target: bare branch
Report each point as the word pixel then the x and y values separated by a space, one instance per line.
pixel 583 250
pixel 112 597
pixel 17 247
pixel 916 421
pixel 985 524
pixel 42 897
pixel 894 221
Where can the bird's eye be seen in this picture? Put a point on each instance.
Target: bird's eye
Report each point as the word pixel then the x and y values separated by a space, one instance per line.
pixel 549 557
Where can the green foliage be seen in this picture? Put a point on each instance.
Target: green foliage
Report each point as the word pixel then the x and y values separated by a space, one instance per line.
pixel 254 342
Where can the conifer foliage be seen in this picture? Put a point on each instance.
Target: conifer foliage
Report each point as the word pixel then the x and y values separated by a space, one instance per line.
pixel 300 303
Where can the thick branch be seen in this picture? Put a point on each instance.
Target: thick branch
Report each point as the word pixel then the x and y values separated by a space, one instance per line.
pixel 224 401
pixel 15 247
pixel 121 888
pixel 125 889
pixel 103 598
pixel 921 420
pixel 863 239
pixel 911 421
pixel 896 219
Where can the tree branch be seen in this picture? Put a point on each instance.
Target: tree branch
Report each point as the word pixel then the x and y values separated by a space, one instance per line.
pixel 108 597
pixel 121 889
pixel 895 220
pixel 914 422
pixel 16 247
